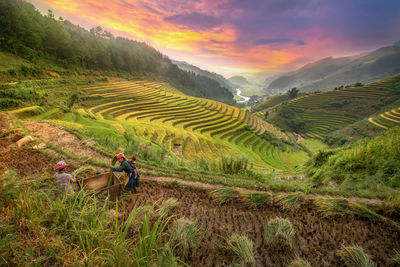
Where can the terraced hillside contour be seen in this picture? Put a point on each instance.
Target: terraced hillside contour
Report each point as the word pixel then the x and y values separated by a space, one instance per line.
pixel 189 126
pixel 329 111
pixel 387 119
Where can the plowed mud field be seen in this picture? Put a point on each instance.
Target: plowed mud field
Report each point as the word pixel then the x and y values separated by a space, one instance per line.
pixel 316 238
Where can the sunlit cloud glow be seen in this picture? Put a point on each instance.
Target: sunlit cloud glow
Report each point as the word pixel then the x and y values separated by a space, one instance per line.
pixel 236 36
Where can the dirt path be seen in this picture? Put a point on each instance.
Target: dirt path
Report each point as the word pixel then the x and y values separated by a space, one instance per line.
pixel 70 143
pixel 63 139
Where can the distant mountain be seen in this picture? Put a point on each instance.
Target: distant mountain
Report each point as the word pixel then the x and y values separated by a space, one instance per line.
pixel 239 80
pixel 331 72
pixel 212 75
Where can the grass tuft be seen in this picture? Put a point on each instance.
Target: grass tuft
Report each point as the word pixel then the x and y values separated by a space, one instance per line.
pixel 184 236
pixel 299 262
pixel 290 202
pixel 354 256
pixel 328 207
pixel 279 233
pixel 256 199
pixel 224 195
pixel 242 247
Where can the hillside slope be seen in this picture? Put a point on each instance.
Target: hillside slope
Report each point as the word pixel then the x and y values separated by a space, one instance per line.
pixel 317 115
pixel 329 73
pixel 36 38
pixel 369 163
pixel 212 75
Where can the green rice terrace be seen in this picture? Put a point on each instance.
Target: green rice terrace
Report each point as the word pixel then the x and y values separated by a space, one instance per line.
pixel 317 115
pixel 187 127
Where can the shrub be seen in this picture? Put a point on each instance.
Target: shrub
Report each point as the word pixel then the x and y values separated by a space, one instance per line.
pixel 279 233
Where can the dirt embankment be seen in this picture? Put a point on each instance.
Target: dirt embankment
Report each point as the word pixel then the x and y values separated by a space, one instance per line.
pixel 63 139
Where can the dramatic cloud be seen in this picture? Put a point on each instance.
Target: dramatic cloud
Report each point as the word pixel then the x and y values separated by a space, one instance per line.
pixel 237 35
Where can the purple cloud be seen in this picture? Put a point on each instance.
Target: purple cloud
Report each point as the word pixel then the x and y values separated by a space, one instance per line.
pixel 195 20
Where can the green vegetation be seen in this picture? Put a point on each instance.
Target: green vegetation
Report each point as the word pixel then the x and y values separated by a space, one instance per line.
pixel 370 163
pixel 73 50
pixel 354 256
pixel 318 114
pixel 80 229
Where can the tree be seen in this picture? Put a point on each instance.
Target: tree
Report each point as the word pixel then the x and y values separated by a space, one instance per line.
pixel 292 93
pixel 266 114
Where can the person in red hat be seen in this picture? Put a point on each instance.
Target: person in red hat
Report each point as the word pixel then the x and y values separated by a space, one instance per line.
pixel 64 179
pixel 126 167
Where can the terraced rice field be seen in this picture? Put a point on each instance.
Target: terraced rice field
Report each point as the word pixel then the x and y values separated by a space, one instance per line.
pixel 318 100
pixel 387 119
pixel 329 111
pixel 194 126
pixel 325 123
pixel 316 238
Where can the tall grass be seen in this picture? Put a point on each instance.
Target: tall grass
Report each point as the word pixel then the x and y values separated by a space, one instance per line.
pixel 354 256
pixel 76 230
pixel 279 233
pixel 242 247
pixel 233 165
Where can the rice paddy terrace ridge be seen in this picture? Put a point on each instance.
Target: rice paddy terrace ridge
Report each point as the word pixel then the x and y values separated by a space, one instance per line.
pixel 329 111
pixel 192 127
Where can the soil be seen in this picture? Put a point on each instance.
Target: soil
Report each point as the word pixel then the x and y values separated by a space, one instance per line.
pixel 61 138
pixel 316 240
pixel 25 160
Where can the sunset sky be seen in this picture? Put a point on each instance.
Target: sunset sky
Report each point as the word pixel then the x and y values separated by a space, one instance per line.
pixel 242 36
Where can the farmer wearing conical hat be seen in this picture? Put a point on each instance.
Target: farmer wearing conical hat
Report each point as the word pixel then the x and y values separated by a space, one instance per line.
pixel 64 179
pixel 127 168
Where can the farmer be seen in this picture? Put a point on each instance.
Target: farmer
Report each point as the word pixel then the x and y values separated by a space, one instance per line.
pixel 136 173
pixel 127 168
pixel 64 179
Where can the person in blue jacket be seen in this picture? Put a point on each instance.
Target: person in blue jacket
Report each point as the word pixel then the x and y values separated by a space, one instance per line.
pixel 127 168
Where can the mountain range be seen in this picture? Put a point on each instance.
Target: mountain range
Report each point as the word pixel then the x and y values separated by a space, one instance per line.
pixel 328 73
pixel 212 75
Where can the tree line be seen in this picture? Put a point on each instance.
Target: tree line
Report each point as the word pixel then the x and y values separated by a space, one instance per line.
pixel 25 32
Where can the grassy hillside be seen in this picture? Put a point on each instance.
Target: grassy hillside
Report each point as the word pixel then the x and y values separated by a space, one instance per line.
pixel 368 164
pixel 319 114
pixel 185 127
pixel 40 39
